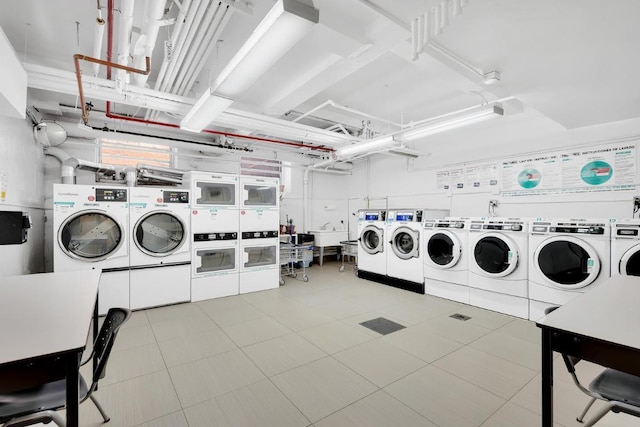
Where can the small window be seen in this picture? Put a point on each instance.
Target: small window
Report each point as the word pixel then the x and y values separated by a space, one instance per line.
pixel 260 167
pixel 114 152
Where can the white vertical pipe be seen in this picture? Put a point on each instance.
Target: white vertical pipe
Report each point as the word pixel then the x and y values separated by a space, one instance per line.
pixel 420 34
pixel 444 15
pixel 437 14
pixel 427 28
pixel 414 39
pixel 153 12
pixel 457 7
pixel 98 36
pixel 124 41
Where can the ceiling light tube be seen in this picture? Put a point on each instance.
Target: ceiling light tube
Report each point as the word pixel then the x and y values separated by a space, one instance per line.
pixel 207 108
pixel 364 147
pixel 283 26
pixel 451 123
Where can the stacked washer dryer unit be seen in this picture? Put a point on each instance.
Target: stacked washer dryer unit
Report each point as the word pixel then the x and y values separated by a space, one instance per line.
pixel 215 231
pixel 160 250
pixel 404 251
pixel 498 274
pixel 372 257
pixel 625 247
pixel 91 223
pixel 445 260
pixel 568 257
pixel 259 238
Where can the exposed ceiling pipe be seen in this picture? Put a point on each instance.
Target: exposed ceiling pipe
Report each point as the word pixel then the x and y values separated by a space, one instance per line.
pixel 97 39
pixel 175 35
pixel 124 41
pixel 152 16
pixel 204 50
pixel 69 167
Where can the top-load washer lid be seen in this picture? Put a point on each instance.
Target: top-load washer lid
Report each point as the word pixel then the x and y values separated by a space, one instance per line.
pixel 495 254
pixel 372 239
pixel 630 262
pixel 405 243
pixel 567 262
pixel 159 233
pixel 443 249
pixel 90 236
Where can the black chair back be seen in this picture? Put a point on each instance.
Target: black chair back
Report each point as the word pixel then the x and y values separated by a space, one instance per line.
pixel 103 344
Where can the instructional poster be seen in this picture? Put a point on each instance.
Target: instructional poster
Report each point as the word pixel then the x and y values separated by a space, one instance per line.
pixel 482 177
pixel 608 168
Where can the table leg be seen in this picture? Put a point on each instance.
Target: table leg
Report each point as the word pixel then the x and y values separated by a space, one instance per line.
pixel 73 389
pixel 547 378
pixel 321 255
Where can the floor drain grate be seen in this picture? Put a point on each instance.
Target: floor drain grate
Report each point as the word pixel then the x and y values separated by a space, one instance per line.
pixel 382 326
pixel 459 316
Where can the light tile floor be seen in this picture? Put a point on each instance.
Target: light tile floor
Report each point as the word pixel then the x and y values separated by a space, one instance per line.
pixel 297 356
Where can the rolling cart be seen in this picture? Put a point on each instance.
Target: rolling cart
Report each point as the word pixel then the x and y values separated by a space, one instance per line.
pixel 349 249
pixel 293 257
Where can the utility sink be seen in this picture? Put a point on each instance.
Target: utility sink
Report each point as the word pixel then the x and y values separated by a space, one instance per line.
pixel 323 238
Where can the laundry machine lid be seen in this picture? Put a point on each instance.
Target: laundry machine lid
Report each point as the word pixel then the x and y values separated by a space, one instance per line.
pixel 495 254
pixel 405 242
pixel 443 249
pixel 90 235
pixel 159 233
pixel 372 239
pixel 567 262
pixel 630 262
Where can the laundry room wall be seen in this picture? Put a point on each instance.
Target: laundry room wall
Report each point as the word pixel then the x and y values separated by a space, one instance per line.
pixel 21 178
pixel 408 183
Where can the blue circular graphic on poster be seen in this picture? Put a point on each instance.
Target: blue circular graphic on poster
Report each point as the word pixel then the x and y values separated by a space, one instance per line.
pixel 596 172
pixel 529 178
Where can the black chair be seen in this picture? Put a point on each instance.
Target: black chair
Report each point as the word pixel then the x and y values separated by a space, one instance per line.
pixel 36 405
pixel 620 391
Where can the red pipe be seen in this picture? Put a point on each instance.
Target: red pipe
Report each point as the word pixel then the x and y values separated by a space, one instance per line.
pixel 111 115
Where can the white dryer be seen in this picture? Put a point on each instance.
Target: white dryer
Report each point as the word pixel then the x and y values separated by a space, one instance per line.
pixel 498 276
pixel 625 247
pixel 445 260
pixel 259 203
pixel 215 265
pixel 160 252
pixel 259 260
pixel 568 257
pixel 214 200
pixel 91 224
pixel 372 257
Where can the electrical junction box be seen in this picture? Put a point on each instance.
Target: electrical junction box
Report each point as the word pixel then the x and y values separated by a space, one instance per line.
pixel 13 227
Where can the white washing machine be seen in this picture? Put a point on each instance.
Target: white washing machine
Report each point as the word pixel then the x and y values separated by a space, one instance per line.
pixel 214 200
pixel 625 247
pixel 568 257
pixel 404 255
pixel 259 260
pixel 91 224
pixel 446 258
pixel 160 253
pixel 498 274
pixel 372 257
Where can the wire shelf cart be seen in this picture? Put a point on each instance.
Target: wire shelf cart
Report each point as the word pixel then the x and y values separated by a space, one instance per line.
pixel 294 257
pixel 350 250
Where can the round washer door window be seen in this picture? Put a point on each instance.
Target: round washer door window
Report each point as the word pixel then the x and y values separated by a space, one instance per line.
pixel 567 262
pixel 443 250
pixel 405 243
pixel 159 233
pixel 630 262
pixel 495 255
pixel 90 236
pixel 371 239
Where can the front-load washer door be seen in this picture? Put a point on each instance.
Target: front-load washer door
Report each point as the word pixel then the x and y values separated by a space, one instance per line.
pixel 495 254
pixel 159 233
pixel 443 250
pixel 567 262
pixel 90 236
pixel 372 239
pixel 630 262
pixel 405 243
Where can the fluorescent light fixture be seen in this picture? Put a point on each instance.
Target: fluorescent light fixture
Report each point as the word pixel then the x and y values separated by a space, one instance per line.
pixel 364 147
pixel 207 108
pixel 455 122
pixel 283 26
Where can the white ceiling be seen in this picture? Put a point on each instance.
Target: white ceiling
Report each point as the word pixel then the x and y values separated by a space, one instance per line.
pixel 574 62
